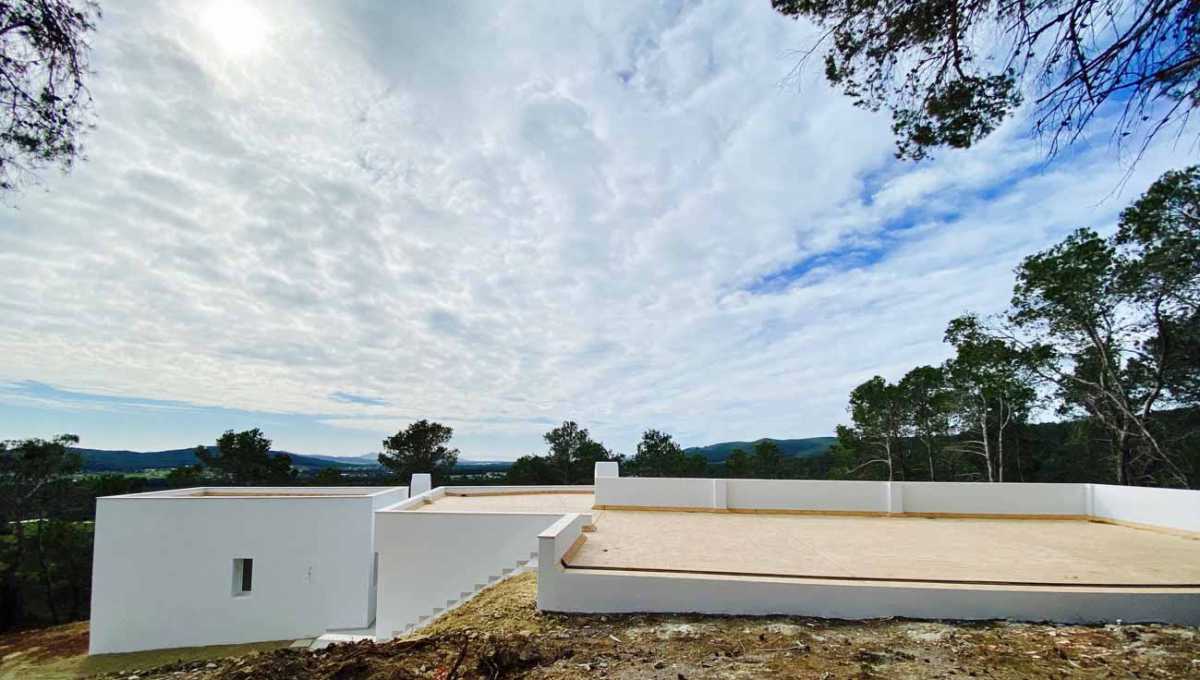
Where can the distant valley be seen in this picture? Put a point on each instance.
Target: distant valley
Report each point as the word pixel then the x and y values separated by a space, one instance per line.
pixel 100 460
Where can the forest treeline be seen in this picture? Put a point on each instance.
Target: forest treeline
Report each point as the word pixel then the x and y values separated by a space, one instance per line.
pixel 1103 331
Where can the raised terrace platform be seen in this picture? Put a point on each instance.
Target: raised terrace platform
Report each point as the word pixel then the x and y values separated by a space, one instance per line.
pixel 1070 553
pixel 1073 553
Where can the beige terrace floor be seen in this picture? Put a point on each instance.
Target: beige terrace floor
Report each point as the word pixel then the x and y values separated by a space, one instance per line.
pixel 994 551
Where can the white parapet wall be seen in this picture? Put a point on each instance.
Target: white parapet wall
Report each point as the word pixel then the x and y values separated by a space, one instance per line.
pixel 1142 506
pixel 669 493
pixel 1163 508
pixel 428 559
pixel 984 498
pixel 657 492
pixel 807 495
pixel 164 572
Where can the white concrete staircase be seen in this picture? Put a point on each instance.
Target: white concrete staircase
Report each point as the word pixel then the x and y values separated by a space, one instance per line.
pixel 466 595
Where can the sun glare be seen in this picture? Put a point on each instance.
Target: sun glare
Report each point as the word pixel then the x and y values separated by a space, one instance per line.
pixel 238 27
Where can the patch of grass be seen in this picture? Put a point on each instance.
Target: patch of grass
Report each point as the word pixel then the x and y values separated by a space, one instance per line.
pixel 60 653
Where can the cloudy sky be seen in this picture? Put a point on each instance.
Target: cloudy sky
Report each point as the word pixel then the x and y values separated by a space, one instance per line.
pixel 331 221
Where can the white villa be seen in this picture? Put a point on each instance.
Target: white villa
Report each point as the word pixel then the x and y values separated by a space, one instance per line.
pixel 209 566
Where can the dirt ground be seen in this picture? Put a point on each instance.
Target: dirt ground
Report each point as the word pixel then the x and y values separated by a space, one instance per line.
pixel 60 653
pixel 500 634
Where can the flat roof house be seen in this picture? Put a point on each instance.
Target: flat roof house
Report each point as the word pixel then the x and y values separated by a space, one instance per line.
pixel 211 566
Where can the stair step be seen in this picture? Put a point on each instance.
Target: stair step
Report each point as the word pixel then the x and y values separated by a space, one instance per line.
pixel 520 566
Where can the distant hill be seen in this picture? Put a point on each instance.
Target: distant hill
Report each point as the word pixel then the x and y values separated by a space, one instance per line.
pixel 367 459
pixel 372 460
pixel 98 460
pixel 802 448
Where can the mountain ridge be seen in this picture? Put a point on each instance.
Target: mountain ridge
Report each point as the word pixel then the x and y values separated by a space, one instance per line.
pixel 124 460
pixel 802 448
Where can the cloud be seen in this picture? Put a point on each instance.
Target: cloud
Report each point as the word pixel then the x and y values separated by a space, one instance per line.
pixel 503 215
pixel 347 398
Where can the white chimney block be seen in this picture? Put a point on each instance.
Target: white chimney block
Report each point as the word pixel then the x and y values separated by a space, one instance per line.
pixel 607 468
pixel 421 482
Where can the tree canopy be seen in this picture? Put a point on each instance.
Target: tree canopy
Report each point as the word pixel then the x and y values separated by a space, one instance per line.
pixel 571 458
pixel 1113 324
pixel 27 466
pixel 1105 329
pixel 44 104
pixel 31 471
pixel 951 71
pixel 244 458
pixel 573 453
pixel 420 448
pixel 658 455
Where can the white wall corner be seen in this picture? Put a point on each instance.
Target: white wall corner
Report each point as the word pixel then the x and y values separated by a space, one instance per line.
pixel 546 549
pixel 1089 500
pixel 553 544
pixel 720 494
pixel 421 482
pixel 607 468
pixel 895 498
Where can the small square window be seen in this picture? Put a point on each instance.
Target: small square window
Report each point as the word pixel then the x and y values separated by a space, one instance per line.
pixel 243 576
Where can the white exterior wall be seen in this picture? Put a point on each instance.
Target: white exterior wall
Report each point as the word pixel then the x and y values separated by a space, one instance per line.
pixel 803 494
pixel 162 575
pixel 1008 498
pixel 625 592
pixel 1170 508
pixel 968 498
pixel 663 492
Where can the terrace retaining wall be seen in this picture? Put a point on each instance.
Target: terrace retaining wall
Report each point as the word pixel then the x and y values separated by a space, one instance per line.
pixel 429 558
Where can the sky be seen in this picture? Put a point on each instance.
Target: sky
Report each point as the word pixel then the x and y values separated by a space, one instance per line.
pixel 329 220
